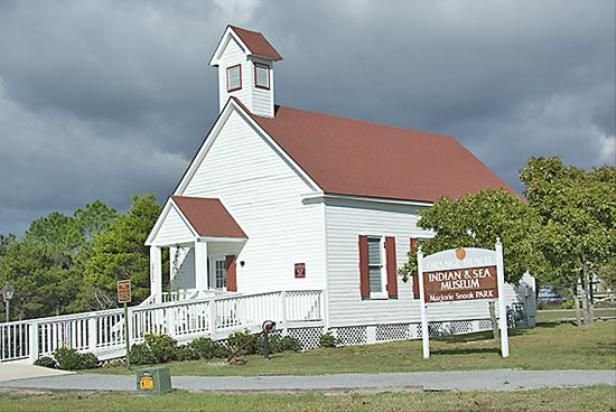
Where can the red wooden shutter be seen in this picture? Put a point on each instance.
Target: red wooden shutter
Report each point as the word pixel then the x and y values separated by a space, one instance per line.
pixel 231 273
pixel 392 268
pixel 364 280
pixel 414 277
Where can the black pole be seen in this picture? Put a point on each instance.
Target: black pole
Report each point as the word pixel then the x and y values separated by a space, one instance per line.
pixel 126 336
pixel 266 345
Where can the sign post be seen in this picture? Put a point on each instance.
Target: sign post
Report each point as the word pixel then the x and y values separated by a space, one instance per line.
pixel 502 309
pixel 425 331
pixel 125 296
pixel 461 275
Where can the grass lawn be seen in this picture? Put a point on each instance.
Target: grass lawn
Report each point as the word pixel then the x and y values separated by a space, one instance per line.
pixel 552 316
pixel 548 346
pixel 597 398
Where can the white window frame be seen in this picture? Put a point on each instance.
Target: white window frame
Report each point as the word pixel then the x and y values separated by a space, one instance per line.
pixel 239 87
pixel 212 274
pixel 257 65
pixel 383 294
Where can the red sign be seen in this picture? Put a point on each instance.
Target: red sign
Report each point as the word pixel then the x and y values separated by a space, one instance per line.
pixel 300 270
pixel 124 292
pixel 461 284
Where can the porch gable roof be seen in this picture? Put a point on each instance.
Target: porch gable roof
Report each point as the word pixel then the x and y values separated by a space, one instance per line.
pixel 208 217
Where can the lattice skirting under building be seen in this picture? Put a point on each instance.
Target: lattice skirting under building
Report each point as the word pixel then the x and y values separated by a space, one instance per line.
pixel 308 337
pixel 360 335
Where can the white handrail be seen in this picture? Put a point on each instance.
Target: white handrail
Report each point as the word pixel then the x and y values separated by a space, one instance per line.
pixel 102 332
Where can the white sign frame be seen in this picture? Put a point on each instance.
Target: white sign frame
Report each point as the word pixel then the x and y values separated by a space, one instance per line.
pixel 447 259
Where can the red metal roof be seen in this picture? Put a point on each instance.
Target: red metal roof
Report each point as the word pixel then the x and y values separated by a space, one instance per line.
pixel 209 217
pixel 359 158
pixel 257 43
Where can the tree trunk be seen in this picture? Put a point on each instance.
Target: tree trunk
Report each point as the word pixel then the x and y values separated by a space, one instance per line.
pixel 578 315
pixel 584 299
pixel 588 284
pixel 495 329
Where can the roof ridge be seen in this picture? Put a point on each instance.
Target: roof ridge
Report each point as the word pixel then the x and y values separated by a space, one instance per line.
pixel 233 26
pixel 341 117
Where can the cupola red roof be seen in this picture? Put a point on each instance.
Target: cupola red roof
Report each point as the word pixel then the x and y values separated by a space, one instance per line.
pixel 257 43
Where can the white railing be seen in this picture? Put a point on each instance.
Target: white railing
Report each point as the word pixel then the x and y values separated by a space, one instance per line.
pixel 182 295
pixel 102 332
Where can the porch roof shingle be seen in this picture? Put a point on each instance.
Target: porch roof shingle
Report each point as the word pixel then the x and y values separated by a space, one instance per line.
pixel 209 217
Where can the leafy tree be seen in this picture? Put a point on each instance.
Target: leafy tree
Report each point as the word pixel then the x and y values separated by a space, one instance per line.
pixel 119 253
pixel 94 217
pixel 577 209
pixel 39 266
pixel 43 266
pixel 607 273
pixel 5 243
pixel 476 220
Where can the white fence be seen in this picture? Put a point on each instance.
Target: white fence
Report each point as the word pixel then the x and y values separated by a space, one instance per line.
pixel 102 332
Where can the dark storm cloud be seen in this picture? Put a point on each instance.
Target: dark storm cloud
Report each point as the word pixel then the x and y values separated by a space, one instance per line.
pixel 105 99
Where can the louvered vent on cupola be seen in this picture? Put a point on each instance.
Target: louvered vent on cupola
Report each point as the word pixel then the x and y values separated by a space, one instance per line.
pixel 245 61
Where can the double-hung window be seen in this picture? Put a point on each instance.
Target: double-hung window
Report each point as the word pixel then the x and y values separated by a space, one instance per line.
pixel 234 78
pixel 376 267
pixel 262 76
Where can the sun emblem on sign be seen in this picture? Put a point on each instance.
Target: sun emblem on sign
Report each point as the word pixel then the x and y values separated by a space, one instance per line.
pixel 461 253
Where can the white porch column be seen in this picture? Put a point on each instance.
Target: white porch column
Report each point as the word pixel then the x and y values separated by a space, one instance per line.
pixel 173 251
pixel 201 274
pixel 156 274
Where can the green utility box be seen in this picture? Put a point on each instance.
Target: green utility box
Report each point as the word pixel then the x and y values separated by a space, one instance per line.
pixel 153 380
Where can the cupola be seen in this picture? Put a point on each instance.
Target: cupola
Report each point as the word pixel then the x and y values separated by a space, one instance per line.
pixel 245 61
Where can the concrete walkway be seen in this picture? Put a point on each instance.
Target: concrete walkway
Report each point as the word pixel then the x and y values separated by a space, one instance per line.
pixel 14 370
pixel 490 380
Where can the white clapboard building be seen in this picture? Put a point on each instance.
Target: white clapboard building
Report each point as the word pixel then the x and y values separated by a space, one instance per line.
pixel 284 199
pixel 287 215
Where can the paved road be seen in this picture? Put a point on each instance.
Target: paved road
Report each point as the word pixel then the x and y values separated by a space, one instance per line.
pixel 492 380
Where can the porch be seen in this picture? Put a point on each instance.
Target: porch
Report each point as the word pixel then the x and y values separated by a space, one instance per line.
pixel 203 241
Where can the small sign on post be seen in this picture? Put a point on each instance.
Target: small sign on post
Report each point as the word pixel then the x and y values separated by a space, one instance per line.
pixel 461 275
pixel 124 291
pixel 300 270
pixel 124 297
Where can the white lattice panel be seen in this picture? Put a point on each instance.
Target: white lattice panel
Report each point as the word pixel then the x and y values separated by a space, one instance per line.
pixel 352 335
pixel 484 324
pixel 399 331
pixel 308 338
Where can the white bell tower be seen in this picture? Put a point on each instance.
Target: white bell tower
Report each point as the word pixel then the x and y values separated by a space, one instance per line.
pixel 245 61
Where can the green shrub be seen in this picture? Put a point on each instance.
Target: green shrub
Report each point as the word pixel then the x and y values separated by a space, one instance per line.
pixel 186 352
pixel 568 304
pixel 163 347
pixel 206 348
pixel 237 339
pixel 328 341
pixel 46 362
pixel 141 354
pixel 289 344
pixel 88 360
pixel 278 344
pixel 69 359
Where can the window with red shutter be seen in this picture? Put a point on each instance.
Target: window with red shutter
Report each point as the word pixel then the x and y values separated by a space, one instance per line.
pixel 392 268
pixel 377 268
pixel 414 278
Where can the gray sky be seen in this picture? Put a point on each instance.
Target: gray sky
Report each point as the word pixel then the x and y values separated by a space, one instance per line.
pixel 104 99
